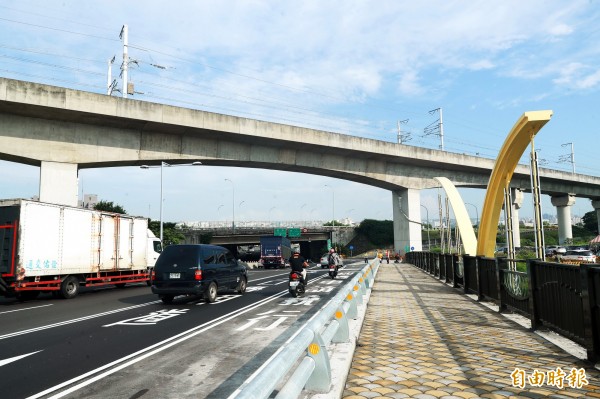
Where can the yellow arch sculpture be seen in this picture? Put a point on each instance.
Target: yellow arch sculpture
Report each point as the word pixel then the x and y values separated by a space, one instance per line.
pixel 467 234
pixel 515 144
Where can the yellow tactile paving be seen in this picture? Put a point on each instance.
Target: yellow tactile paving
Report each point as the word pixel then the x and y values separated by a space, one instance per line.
pixel 423 339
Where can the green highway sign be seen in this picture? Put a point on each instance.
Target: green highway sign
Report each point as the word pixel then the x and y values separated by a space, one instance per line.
pixel 280 232
pixel 294 233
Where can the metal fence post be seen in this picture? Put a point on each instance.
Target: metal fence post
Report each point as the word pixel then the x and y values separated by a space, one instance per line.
pixel 443 264
pixel 454 267
pixel 499 285
pixel 590 297
pixel 533 305
pixel 478 271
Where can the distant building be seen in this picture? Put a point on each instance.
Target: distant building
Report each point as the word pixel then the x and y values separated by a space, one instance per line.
pixel 89 201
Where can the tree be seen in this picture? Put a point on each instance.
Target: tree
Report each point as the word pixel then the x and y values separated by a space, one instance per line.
pixel 109 206
pixel 171 235
pixel 590 221
pixel 379 233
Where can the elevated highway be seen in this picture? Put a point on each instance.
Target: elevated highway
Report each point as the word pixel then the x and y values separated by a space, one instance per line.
pixel 63 130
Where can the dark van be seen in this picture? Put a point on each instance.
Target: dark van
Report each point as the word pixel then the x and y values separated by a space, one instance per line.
pixel 199 270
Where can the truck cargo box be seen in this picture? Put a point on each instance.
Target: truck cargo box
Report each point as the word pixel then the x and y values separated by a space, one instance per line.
pixel 41 244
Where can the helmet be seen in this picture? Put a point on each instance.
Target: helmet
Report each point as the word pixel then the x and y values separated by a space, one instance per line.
pixel 296 250
pixel 331 250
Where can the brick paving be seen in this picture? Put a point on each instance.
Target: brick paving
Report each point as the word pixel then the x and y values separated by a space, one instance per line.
pixel 423 339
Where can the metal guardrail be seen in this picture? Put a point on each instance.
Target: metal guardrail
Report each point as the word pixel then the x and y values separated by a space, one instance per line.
pixel 309 346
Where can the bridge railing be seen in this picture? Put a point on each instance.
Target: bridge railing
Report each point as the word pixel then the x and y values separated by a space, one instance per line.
pixel 307 349
pixel 563 298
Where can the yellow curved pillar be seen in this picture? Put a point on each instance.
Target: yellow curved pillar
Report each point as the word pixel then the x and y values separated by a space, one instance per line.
pixel 465 228
pixel 513 148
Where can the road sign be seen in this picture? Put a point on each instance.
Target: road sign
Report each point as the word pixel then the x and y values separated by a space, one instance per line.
pixel 351 247
pixel 305 230
pixel 294 233
pixel 328 244
pixel 280 232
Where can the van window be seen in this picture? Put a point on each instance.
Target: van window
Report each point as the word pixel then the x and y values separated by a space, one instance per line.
pixel 178 256
pixel 229 259
pixel 220 258
pixel 209 256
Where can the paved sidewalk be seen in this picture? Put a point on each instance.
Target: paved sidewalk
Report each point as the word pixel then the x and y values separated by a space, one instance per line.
pixel 423 339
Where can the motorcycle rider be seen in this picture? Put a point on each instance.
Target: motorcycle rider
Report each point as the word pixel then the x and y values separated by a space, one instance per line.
pixel 299 264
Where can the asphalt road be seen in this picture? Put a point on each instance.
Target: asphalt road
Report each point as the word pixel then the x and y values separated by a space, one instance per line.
pixel 125 343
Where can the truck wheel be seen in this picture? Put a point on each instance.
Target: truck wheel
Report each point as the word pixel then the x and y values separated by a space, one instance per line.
pixel 120 285
pixel 167 299
pixel 211 293
pixel 241 288
pixel 69 287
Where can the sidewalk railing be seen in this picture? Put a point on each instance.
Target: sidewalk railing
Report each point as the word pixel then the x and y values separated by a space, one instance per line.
pixel 564 298
pixel 307 349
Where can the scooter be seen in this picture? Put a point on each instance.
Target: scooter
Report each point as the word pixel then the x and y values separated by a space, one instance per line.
pixel 296 285
pixel 333 271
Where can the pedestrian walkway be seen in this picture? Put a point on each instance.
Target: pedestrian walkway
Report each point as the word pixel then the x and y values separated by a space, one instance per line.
pixel 423 339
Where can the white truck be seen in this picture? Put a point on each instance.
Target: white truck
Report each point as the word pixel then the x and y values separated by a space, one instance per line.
pixel 58 248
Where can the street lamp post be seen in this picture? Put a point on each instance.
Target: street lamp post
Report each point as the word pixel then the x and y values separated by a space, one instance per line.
pixel 273 207
pixel 232 205
pixel 428 240
pixel 162 163
pixel 476 212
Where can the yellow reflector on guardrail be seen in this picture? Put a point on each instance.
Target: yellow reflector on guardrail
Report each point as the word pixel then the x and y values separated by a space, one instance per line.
pixel 314 349
pixel 349 297
pixel 356 287
pixel 338 314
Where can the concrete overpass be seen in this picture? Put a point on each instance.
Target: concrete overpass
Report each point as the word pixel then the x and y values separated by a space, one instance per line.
pixel 63 130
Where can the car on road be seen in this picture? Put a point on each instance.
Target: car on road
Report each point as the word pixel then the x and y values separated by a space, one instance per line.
pixel 581 255
pixel 325 261
pixel 198 270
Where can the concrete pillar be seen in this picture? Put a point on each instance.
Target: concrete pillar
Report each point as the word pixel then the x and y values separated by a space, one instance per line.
pixel 563 212
pixel 406 206
pixel 596 205
pixel 58 183
pixel 517 201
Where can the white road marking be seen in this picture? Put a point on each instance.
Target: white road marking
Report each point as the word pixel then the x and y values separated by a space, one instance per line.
pixel 142 354
pixel 64 323
pixel 14 359
pixel 33 307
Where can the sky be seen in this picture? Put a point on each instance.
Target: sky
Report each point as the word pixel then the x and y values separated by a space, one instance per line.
pixel 360 68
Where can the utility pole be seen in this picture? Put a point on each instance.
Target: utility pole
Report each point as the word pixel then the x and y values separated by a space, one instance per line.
pixel 572 157
pixel 110 84
pixel 405 137
pixel 124 36
pixel 436 127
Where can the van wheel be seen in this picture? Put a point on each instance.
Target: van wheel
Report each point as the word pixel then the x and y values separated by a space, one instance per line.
pixel 211 293
pixel 69 288
pixel 167 299
pixel 241 288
